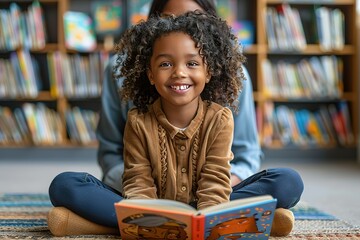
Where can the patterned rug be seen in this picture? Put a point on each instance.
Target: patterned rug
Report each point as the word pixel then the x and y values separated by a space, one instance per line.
pixel 23 216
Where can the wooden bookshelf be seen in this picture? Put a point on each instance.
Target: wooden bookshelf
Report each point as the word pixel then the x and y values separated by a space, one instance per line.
pixel 251 10
pixel 260 50
pixel 347 54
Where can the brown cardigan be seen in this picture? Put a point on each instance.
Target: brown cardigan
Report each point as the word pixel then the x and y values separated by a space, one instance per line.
pixel 162 161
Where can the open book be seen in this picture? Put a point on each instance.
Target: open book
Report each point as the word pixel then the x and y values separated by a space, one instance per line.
pixel 167 219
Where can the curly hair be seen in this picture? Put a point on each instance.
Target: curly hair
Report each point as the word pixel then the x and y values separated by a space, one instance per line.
pixel 158 6
pixel 217 45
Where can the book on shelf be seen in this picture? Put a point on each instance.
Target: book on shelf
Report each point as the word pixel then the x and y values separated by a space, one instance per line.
pixel 23 127
pixel 314 76
pixel 9 130
pixel 37 20
pixel 75 75
pixel 325 135
pixel 330 28
pixel 138 10
pixel 294 30
pixel 81 125
pixel 245 32
pixel 344 116
pixel 338 30
pixel 227 10
pixel 282 113
pixel 284 28
pixel 22 29
pixel 26 73
pixel 107 17
pixel 270 28
pixel 327 123
pixel 338 124
pixel 79 32
pixel 108 22
pixel 44 124
pixel 243 29
pixel 268 124
pixel 168 219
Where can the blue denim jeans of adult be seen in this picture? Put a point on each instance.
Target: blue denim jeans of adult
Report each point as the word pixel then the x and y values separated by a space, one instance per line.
pixel 90 198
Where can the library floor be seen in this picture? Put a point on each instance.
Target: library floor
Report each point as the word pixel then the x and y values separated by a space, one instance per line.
pixel 332 186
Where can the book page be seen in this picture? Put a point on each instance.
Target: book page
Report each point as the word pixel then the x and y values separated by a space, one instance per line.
pixel 163 204
pixel 236 203
pixel 154 219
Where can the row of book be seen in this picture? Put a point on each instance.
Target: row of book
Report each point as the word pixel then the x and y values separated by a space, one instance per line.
pixel 20 76
pixel 76 75
pixel 106 21
pixel 37 124
pixel 285 31
pixel 310 77
pixel 70 75
pixel 284 28
pixel 331 28
pixel 81 125
pixel 325 126
pixel 26 28
pixel 22 29
pixel 30 124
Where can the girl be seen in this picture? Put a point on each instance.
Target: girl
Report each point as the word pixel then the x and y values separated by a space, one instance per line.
pixel 113 114
pixel 177 141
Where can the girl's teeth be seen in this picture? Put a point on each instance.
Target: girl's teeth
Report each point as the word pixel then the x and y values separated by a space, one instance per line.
pixel 182 87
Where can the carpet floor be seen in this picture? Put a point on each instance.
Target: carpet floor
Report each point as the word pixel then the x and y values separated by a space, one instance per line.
pixel 23 216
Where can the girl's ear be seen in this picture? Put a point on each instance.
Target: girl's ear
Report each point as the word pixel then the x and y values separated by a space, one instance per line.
pixel 150 76
pixel 208 77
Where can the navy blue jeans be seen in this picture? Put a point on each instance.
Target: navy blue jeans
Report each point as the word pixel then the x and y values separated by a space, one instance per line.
pixel 88 197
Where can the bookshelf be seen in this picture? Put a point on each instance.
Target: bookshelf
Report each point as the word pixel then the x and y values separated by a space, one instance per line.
pixel 259 54
pixel 305 88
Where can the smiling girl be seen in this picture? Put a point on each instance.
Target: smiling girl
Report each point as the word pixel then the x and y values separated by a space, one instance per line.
pixel 182 76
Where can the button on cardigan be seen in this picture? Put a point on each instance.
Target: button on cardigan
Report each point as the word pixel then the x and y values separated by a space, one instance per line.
pixel 163 161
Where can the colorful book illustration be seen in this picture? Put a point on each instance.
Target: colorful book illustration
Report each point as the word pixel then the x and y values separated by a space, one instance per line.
pixel 79 33
pixel 243 29
pixel 138 10
pixel 108 22
pixel 227 10
pixel 167 219
pixel 107 16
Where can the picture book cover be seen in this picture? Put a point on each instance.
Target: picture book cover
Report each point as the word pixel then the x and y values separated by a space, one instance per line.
pixel 167 219
pixel 244 30
pixel 138 10
pixel 107 16
pixel 79 32
pixel 227 10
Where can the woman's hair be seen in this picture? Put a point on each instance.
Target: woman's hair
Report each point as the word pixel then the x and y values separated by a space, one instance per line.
pixel 217 45
pixel 157 6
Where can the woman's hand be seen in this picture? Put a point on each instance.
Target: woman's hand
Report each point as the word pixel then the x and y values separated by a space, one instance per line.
pixel 235 180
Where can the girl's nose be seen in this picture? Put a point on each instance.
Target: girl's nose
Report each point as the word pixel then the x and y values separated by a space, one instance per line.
pixel 179 73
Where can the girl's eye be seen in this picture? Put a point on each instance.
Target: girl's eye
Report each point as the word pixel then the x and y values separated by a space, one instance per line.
pixel 165 64
pixel 193 64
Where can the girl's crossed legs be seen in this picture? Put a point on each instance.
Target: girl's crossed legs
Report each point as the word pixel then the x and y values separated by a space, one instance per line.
pixel 88 197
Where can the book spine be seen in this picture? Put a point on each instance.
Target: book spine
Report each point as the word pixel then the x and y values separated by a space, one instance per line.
pixel 198 227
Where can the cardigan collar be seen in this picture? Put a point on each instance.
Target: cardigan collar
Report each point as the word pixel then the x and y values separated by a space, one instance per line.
pixel 193 127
